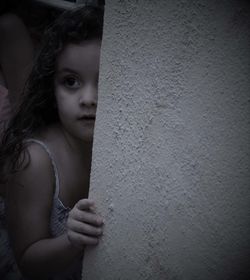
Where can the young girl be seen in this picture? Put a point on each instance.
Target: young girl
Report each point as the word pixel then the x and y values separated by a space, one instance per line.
pixel 46 152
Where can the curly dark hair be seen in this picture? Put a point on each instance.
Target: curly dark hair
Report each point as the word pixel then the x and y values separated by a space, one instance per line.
pixel 37 108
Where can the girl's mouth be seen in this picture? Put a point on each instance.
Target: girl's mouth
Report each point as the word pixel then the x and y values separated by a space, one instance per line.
pixel 87 118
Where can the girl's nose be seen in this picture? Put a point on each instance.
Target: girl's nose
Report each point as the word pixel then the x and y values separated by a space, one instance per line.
pixel 88 96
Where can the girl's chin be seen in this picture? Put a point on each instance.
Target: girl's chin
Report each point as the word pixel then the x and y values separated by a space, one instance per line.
pixel 88 137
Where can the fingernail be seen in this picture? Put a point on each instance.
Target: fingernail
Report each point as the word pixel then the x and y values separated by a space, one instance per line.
pixel 99 221
pixel 92 208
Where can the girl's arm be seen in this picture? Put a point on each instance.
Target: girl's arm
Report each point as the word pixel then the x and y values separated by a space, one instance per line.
pixel 30 194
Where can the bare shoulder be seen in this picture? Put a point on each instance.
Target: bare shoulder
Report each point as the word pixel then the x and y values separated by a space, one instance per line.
pixel 29 197
pixel 36 166
pixel 33 183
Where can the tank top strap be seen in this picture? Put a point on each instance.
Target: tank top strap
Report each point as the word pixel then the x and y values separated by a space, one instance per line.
pixel 45 147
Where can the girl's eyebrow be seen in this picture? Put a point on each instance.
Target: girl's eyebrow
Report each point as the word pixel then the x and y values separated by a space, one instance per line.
pixel 68 70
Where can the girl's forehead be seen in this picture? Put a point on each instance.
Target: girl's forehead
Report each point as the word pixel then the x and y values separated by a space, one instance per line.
pixel 78 55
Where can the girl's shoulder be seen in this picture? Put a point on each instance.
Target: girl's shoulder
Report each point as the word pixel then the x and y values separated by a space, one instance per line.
pixel 32 186
pixel 37 161
pixel 35 164
pixel 30 193
pixel 36 151
pixel 40 151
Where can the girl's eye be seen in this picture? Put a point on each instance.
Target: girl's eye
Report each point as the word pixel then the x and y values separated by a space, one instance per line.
pixel 71 82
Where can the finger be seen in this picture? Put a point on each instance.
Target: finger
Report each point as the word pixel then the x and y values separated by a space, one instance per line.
pixel 81 240
pixel 92 208
pixel 85 204
pixel 87 217
pixel 84 228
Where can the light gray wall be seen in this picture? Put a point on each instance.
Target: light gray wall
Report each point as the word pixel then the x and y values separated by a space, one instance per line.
pixel 170 170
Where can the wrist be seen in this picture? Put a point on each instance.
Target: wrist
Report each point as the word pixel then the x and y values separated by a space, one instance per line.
pixel 78 250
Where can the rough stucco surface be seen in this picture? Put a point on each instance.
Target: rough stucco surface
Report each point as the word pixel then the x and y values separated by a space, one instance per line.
pixel 170 171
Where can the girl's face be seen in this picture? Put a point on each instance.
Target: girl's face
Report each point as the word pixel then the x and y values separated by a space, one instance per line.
pixel 76 83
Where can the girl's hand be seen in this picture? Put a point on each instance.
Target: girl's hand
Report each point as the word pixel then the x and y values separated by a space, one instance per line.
pixel 84 226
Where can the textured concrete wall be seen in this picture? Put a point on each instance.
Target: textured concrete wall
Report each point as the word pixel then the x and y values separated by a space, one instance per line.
pixel 170 169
